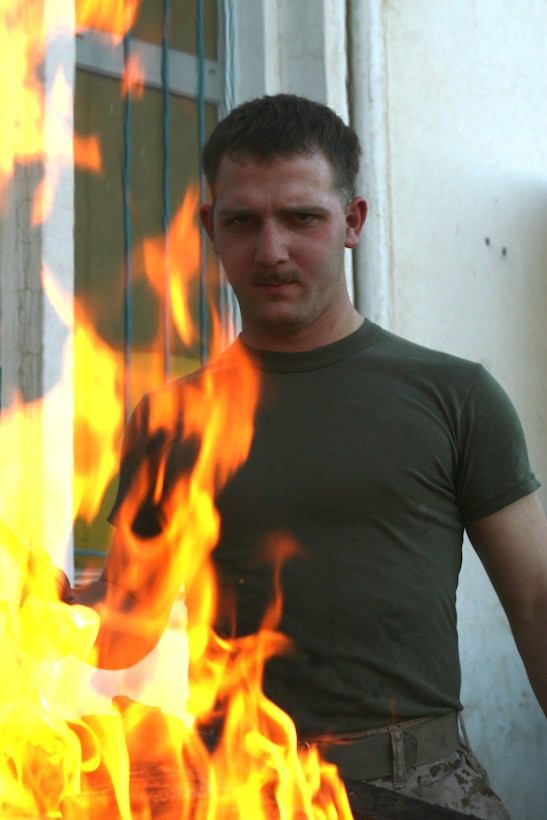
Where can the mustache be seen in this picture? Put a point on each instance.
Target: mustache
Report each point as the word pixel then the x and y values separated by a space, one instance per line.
pixel 274 277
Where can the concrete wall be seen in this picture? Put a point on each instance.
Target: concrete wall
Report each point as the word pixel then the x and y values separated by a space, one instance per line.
pixel 450 102
pixel 456 119
pixel 21 305
pixel 33 239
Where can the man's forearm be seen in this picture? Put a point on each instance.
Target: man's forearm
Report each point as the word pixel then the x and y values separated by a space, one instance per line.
pixel 127 631
pixel 92 594
pixel 531 640
pixel 512 545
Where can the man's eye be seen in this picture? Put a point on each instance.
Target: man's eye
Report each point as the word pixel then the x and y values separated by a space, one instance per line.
pixel 300 216
pixel 243 219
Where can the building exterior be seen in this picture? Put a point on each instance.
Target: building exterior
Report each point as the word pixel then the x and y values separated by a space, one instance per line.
pixel 450 103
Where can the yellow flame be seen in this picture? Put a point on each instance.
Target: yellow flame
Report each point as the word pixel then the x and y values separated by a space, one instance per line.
pixel 113 16
pixel 56 760
pixel 21 92
pixel 133 76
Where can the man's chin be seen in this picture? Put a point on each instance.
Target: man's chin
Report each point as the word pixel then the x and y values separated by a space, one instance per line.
pixel 276 331
pixel 279 321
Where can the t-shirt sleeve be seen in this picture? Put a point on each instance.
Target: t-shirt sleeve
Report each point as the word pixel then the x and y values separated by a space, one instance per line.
pixel 155 456
pixel 139 461
pixel 493 465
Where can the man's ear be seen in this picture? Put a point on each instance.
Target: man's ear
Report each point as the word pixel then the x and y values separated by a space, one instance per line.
pixel 356 215
pixel 206 218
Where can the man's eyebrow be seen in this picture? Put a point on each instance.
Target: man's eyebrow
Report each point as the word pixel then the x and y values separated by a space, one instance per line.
pixel 286 209
pixel 234 211
pixel 303 208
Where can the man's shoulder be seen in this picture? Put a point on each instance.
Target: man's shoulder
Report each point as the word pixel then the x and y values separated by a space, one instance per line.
pixel 224 362
pixel 225 380
pixel 411 357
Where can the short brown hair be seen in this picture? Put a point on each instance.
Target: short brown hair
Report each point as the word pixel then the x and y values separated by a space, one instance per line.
pixel 285 125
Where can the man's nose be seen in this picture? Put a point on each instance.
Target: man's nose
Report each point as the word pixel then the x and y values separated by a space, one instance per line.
pixel 271 246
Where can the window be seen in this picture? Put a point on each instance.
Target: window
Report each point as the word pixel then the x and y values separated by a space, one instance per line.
pixel 150 143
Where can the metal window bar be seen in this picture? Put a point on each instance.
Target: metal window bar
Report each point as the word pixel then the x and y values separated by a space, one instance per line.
pixel 128 285
pixel 174 72
pixel 97 52
pixel 166 215
pixel 201 127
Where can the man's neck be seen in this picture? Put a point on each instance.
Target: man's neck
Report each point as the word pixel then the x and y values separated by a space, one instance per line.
pixel 303 339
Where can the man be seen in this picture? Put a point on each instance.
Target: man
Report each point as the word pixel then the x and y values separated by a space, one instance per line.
pixel 371 453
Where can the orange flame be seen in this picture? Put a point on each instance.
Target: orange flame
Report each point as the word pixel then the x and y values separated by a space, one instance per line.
pixel 102 763
pixel 70 749
pixel 21 92
pixel 115 16
pixel 180 252
pixel 133 76
pixel 22 137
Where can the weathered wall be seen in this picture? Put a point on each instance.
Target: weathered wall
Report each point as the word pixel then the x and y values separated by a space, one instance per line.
pixel 457 120
pixel 21 305
pixel 21 313
pixel 33 239
pixel 449 100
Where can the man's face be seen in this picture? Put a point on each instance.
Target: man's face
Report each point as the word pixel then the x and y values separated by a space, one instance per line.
pixel 280 229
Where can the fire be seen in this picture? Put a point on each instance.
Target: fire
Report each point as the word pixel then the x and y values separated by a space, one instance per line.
pixel 24 137
pixel 134 75
pixel 256 769
pixel 77 742
pixel 180 251
pixel 115 16
pixel 21 92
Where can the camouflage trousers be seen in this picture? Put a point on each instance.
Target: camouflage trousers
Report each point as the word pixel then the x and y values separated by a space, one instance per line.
pixel 457 781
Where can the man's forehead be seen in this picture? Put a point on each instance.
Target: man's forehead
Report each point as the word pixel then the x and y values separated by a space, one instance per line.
pixel 243 166
pixel 245 156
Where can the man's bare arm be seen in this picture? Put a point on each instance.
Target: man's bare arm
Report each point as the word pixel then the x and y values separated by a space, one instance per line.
pixel 512 545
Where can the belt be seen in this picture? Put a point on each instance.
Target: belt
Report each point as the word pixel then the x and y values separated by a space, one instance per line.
pixel 373 753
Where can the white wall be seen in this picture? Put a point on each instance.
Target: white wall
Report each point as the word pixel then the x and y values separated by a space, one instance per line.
pixel 450 102
pixel 462 96
pixel 32 338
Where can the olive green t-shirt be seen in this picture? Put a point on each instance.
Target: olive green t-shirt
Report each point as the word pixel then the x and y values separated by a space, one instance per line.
pixel 369 454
